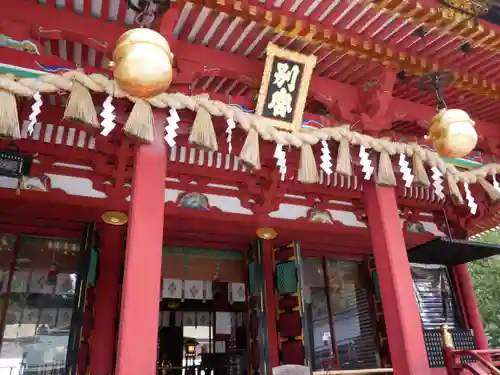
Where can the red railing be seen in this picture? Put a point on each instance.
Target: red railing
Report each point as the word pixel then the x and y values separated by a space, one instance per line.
pixel 482 362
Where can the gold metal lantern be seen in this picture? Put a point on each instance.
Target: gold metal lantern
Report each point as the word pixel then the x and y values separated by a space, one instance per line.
pixel 452 133
pixel 142 63
pixel 266 233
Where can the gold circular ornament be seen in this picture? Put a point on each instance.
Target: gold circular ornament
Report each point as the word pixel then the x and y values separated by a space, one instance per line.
pixel 173 305
pixel 142 63
pixel 266 233
pixel 452 133
pixel 115 218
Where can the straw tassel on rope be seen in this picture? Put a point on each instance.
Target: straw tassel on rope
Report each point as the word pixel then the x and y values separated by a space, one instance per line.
pixel 493 193
pixel 308 170
pixel 203 132
pixel 140 122
pixel 250 152
pixel 9 120
pixel 421 177
pixel 344 166
pixel 80 106
pixel 385 175
pixel 453 189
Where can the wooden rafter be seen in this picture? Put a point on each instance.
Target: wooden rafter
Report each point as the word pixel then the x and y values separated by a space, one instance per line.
pixel 286 22
pixel 346 42
pixel 485 36
pixel 196 60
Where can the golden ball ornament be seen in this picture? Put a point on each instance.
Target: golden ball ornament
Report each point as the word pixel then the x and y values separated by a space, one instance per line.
pixel 452 133
pixel 142 63
pixel 266 233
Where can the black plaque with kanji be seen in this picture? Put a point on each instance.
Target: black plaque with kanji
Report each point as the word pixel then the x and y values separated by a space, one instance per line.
pixel 284 87
pixel 283 90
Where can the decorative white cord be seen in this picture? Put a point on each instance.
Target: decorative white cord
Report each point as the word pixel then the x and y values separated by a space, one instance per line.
pixel 231 125
pixel 280 157
pixel 171 128
pixel 326 158
pixel 437 183
pixel 404 168
pixel 470 199
pixel 35 111
pixel 108 115
pixel 364 160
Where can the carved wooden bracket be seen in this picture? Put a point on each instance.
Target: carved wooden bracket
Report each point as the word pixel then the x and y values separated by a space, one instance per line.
pixel 374 105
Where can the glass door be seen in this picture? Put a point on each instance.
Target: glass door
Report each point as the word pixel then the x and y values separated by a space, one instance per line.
pixel 338 313
pixel 37 286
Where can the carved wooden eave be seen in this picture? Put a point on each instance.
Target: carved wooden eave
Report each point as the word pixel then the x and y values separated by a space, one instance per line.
pixel 86 42
pixel 220 54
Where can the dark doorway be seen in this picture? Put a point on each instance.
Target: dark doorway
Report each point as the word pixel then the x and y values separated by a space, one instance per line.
pixel 216 329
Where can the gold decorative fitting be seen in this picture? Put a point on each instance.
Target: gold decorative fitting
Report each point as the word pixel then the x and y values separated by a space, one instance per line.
pixel 446 336
pixel 266 233
pixel 114 218
pixel 464 10
pixel 173 305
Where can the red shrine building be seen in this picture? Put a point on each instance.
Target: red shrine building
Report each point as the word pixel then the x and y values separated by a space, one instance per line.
pixel 280 204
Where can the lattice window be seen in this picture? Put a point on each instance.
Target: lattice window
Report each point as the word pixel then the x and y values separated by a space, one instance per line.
pixel 435 296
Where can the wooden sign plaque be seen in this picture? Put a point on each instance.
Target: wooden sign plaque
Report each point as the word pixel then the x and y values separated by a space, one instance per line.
pixel 284 87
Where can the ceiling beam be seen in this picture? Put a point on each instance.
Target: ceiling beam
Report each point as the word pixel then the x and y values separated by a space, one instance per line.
pixel 326 90
pixel 345 41
pixel 484 35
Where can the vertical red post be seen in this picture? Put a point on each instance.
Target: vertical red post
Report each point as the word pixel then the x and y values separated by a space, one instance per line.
pixel 137 340
pixel 106 300
pixel 272 334
pixel 469 299
pixel 402 319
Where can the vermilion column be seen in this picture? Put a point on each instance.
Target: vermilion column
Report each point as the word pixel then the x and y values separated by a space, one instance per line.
pixel 402 319
pixel 272 334
pixel 138 330
pixel 106 301
pixel 469 299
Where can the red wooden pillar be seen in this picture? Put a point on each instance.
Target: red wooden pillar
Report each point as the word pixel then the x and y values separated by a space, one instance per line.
pixel 470 303
pixel 106 301
pixel 137 340
pixel 272 334
pixel 402 319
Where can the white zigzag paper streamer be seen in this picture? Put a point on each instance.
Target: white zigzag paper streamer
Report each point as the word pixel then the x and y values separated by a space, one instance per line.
pixel 326 158
pixel 108 116
pixel 229 131
pixel 280 157
pixel 365 162
pixel 437 178
pixel 496 185
pixel 35 111
pixel 171 128
pixel 404 168
pixel 470 199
